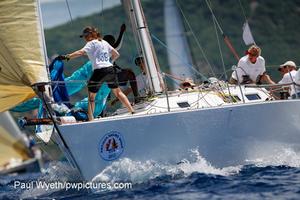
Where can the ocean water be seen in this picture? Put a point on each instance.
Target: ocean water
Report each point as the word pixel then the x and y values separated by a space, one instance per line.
pixel 271 177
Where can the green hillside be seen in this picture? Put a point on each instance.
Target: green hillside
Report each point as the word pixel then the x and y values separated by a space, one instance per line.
pixel 275 27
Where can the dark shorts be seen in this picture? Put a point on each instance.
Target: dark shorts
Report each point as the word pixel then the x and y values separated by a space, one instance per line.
pixel 99 76
pixel 125 76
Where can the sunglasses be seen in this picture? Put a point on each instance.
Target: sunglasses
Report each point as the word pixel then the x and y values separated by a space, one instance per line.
pixel 85 34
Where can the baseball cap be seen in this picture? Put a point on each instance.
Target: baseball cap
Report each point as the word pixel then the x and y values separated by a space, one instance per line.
pixel 287 63
pixel 87 30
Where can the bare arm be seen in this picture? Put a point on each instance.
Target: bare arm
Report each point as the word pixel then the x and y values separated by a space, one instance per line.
pixel 76 54
pixel 266 78
pixel 118 43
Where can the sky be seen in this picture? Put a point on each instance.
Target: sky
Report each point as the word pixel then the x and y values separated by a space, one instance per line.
pixel 55 12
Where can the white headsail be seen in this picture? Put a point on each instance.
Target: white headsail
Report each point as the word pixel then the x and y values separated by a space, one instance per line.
pixel 247 35
pixel 22 59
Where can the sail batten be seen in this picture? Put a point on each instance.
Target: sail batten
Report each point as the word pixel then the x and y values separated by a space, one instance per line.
pixel 22 59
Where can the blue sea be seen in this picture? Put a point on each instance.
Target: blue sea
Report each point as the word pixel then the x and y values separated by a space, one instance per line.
pixel 273 177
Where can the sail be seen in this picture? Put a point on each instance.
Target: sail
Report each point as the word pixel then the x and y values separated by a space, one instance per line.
pixel 22 59
pixel 10 148
pixel 247 35
pixel 11 143
pixel 179 55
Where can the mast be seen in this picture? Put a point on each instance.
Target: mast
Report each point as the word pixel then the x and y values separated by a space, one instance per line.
pixel 140 28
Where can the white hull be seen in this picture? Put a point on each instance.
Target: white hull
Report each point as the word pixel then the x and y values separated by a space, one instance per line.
pixel 225 136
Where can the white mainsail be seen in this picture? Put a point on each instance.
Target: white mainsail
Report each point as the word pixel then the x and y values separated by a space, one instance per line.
pixel 22 59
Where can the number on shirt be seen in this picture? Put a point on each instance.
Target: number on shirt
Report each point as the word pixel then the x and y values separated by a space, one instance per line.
pixel 103 57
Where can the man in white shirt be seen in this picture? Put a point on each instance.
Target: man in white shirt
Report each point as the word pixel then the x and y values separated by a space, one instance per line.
pixel 288 71
pixel 141 79
pixel 297 86
pixel 251 68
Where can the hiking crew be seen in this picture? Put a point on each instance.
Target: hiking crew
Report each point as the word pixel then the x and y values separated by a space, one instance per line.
pixel 102 55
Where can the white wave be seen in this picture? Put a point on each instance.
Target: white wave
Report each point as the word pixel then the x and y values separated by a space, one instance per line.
pixel 203 166
pixel 55 172
pixel 276 156
pixel 138 172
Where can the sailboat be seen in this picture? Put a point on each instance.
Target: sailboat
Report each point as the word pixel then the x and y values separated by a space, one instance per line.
pixel 15 156
pixel 227 124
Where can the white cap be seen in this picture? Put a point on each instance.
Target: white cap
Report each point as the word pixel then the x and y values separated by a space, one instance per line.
pixel 289 63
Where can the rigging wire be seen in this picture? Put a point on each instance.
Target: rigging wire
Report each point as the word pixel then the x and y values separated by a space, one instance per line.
pixel 220 50
pixel 68 152
pixel 164 45
pixel 69 11
pixel 132 48
pixel 197 41
pixel 226 39
pixel 243 10
pixel 244 14
pixel 101 16
pixel 211 11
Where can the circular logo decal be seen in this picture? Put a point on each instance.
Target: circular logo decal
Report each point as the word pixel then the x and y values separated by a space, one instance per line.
pixel 111 146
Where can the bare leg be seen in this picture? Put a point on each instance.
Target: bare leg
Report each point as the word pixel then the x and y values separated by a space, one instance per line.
pixel 91 105
pixel 121 96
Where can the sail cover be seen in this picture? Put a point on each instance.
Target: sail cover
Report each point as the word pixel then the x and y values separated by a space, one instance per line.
pixel 22 59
